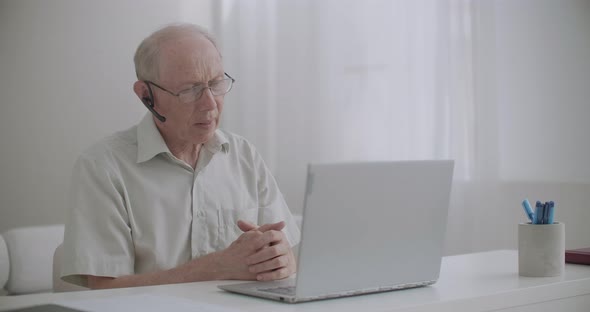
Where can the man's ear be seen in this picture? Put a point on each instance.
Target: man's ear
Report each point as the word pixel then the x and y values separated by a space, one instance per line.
pixel 140 88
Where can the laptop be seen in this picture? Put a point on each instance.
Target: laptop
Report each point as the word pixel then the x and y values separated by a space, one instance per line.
pixel 367 227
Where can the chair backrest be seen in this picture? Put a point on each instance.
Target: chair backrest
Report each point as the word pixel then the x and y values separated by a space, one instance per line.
pixel 58 284
pixel 30 252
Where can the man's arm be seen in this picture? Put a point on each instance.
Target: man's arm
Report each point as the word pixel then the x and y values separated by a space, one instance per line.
pixel 200 269
pixel 240 261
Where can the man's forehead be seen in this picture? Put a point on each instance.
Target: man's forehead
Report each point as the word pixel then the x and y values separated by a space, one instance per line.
pixel 190 55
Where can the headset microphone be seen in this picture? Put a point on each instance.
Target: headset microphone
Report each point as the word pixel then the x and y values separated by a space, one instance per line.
pixel 149 103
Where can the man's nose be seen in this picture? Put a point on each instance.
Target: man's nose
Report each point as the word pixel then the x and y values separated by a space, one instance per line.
pixel 207 101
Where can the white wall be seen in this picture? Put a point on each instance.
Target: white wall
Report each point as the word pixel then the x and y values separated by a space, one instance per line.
pixel 532 74
pixel 66 75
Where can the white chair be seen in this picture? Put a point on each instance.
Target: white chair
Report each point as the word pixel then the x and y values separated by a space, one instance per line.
pixel 30 253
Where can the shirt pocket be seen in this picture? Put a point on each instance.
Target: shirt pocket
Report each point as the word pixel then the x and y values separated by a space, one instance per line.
pixel 228 230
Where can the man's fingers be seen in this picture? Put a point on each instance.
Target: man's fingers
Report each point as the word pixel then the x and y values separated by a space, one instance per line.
pixel 272 226
pixel 267 253
pixel 274 275
pixel 246 226
pixel 271 238
pixel 272 264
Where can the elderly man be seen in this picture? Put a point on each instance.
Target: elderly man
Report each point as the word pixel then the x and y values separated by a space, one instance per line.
pixel 174 199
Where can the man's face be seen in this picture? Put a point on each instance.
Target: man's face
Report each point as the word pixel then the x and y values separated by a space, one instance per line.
pixel 185 62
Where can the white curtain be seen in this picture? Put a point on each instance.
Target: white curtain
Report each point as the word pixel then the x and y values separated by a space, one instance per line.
pixel 351 80
pixel 343 80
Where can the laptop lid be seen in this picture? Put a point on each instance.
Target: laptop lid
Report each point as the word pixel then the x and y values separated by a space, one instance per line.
pixel 372 225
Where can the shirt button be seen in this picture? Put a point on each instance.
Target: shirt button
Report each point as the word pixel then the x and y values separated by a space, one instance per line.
pixel 200 214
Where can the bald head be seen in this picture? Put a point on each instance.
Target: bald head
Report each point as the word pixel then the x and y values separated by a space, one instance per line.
pixel 147 57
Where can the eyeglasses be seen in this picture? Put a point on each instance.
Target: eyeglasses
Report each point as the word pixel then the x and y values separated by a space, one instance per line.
pixel 217 87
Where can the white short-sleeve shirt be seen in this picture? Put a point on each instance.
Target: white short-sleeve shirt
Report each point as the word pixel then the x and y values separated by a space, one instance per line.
pixel 135 208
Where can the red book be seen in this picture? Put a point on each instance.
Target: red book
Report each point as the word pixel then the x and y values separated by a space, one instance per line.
pixel 579 256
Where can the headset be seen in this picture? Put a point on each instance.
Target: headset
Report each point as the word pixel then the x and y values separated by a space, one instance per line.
pixel 149 103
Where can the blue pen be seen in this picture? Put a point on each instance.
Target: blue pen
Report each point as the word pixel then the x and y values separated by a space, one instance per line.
pixel 538 213
pixel 546 213
pixel 528 210
pixel 551 212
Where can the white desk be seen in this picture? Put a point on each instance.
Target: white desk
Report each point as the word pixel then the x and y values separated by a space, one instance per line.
pixel 474 282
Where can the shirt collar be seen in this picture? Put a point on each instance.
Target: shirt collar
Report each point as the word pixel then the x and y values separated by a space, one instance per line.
pixel 150 142
pixel 218 143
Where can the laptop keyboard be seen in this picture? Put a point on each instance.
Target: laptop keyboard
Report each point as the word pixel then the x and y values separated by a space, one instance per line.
pixel 289 291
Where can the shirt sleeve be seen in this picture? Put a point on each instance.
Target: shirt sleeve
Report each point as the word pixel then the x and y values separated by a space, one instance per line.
pixel 97 239
pixel 273 207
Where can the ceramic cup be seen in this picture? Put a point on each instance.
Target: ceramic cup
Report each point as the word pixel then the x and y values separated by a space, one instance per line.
pixel 541 249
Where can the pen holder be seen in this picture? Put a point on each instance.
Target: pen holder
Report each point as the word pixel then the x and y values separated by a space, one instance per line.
pixel 541 249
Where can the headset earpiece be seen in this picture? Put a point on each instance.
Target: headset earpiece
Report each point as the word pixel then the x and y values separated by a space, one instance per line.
pixel 150 106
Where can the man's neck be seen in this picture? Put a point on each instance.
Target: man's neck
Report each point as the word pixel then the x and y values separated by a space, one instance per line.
pixel 184 150
pixel 189 153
